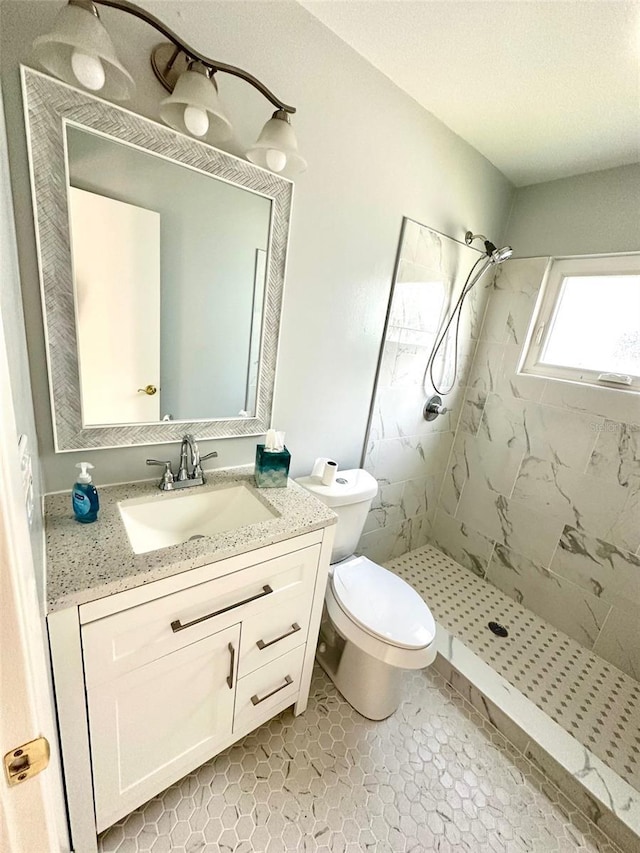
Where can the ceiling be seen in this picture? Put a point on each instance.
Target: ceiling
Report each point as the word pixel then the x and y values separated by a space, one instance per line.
pixel 543 88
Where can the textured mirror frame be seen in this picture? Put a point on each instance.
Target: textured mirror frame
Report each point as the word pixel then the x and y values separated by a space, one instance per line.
pixel 49 105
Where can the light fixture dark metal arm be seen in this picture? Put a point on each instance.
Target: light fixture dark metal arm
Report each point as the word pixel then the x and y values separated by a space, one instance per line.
pixel 168 33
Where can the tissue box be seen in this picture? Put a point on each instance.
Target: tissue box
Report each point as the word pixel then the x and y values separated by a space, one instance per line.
pixel 272 467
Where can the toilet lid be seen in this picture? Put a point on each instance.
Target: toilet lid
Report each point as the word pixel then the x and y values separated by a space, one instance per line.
pixel 382 603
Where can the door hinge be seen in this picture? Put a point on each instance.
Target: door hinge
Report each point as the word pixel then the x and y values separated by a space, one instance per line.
pixel 26 761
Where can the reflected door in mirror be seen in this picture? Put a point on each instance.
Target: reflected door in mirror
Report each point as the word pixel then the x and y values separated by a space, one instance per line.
pixel 116 269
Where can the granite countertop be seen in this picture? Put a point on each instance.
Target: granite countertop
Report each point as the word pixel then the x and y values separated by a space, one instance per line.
pixel 90 561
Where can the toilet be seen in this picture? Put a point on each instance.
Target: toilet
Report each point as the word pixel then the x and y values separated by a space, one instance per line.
pixel 374 624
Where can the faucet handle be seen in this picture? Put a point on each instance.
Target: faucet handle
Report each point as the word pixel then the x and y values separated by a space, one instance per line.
pixel 167 476
pixel 197 468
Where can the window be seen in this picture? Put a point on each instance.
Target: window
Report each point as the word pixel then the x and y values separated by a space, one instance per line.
pixel 587 328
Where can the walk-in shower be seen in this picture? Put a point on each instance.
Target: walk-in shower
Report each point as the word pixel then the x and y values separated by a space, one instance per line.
pixel 492 257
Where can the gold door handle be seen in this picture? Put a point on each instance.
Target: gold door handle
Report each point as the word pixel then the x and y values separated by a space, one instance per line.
pixel 150 390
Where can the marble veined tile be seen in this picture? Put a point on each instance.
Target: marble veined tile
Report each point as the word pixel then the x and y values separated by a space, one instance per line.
pixel 619 641
pixel 515 384
pixel 378 544
pixel 454 477
pixel 507 317
pixel 398 412
pixel 608 572
pixel 612 403
pixel 586 502
pixel 413 352
pixel 563 437
pixel 473 311
pixel 419 297
pixel 568 607
pixel 386 508
pixel 471 410
pixel 419 496
pixel 474 458
pixel 485 371
pixel 512 522
pixel 625 530
pixel 617 454
pixel 462 543
pixel 502 421
pixel 400 459
pixel 521 275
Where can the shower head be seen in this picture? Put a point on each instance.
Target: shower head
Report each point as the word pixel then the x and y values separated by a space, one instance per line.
pixel 495 255
pixel 498 256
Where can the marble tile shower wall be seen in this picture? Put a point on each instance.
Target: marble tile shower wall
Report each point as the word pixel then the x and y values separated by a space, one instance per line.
pixel 542 491
pixel 408 455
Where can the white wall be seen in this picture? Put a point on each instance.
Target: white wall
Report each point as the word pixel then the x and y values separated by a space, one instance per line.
pixel 590 213
pixel 374 155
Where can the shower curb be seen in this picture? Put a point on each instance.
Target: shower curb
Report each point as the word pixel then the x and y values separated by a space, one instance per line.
pixel 603 797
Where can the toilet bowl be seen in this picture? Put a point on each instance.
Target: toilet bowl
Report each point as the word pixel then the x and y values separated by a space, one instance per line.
pixel 375 626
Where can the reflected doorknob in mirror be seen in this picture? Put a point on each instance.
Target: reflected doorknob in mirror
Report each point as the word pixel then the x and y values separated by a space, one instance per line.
pixel 149 389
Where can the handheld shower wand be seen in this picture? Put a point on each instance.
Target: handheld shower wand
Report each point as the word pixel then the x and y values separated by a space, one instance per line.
pixel 492 256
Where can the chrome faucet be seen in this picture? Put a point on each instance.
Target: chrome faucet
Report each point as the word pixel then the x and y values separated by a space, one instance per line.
pixel 184 479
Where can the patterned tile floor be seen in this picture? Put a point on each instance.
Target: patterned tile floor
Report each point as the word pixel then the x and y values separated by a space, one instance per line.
pixel 433 777
pixel 595 702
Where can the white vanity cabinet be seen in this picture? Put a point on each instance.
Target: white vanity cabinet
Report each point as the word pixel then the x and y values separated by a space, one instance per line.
pixel 153 681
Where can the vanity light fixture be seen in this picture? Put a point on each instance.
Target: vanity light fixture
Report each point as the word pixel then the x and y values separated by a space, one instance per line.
pixel 79 50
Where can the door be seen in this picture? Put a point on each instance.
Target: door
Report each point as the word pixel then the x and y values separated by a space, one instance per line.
pixel 32 815
pixel 116 272
pixel 156 723
pixel 31 812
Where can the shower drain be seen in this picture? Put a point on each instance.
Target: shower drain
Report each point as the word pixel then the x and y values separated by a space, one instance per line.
pixel 498 629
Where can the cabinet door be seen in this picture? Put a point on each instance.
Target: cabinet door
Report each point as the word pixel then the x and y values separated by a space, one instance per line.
pixel 153 725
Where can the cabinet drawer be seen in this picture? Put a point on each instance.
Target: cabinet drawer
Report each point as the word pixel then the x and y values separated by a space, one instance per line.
pixel 267 691
pixel 273 633
pixel 129 639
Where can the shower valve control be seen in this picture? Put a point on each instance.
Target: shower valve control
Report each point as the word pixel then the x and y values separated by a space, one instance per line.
pixel 433 407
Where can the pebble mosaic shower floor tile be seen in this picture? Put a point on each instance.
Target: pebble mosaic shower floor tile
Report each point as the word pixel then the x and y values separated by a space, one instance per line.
pixel 433 777
pixel 592 700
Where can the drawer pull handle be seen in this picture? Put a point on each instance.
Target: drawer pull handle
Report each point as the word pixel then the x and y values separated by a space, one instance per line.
pixel 232 652
pixel 294 629
pixel 287 681
pixel 176 625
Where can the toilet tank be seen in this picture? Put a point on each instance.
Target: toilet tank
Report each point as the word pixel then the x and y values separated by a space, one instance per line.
pixel 349 496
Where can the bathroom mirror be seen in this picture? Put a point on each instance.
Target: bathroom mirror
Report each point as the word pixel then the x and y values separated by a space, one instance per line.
pixel 162 267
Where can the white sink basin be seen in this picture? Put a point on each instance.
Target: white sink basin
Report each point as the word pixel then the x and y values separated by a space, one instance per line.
pixel 168 519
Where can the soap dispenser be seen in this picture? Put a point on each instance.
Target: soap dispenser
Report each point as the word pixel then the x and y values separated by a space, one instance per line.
pixel 84 496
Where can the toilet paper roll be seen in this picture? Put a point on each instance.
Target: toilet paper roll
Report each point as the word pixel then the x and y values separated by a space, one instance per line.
pixel 329 472
pixel 324 469
pixel 318 466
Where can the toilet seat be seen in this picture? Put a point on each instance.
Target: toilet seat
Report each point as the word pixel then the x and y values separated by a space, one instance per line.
pixel 381 613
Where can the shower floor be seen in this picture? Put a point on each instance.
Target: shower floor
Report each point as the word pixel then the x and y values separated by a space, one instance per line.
pixel 591 699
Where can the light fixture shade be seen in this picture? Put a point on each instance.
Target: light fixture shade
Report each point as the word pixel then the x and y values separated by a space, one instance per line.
pixel 78 29
pixel 194 89
pixel 277 136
